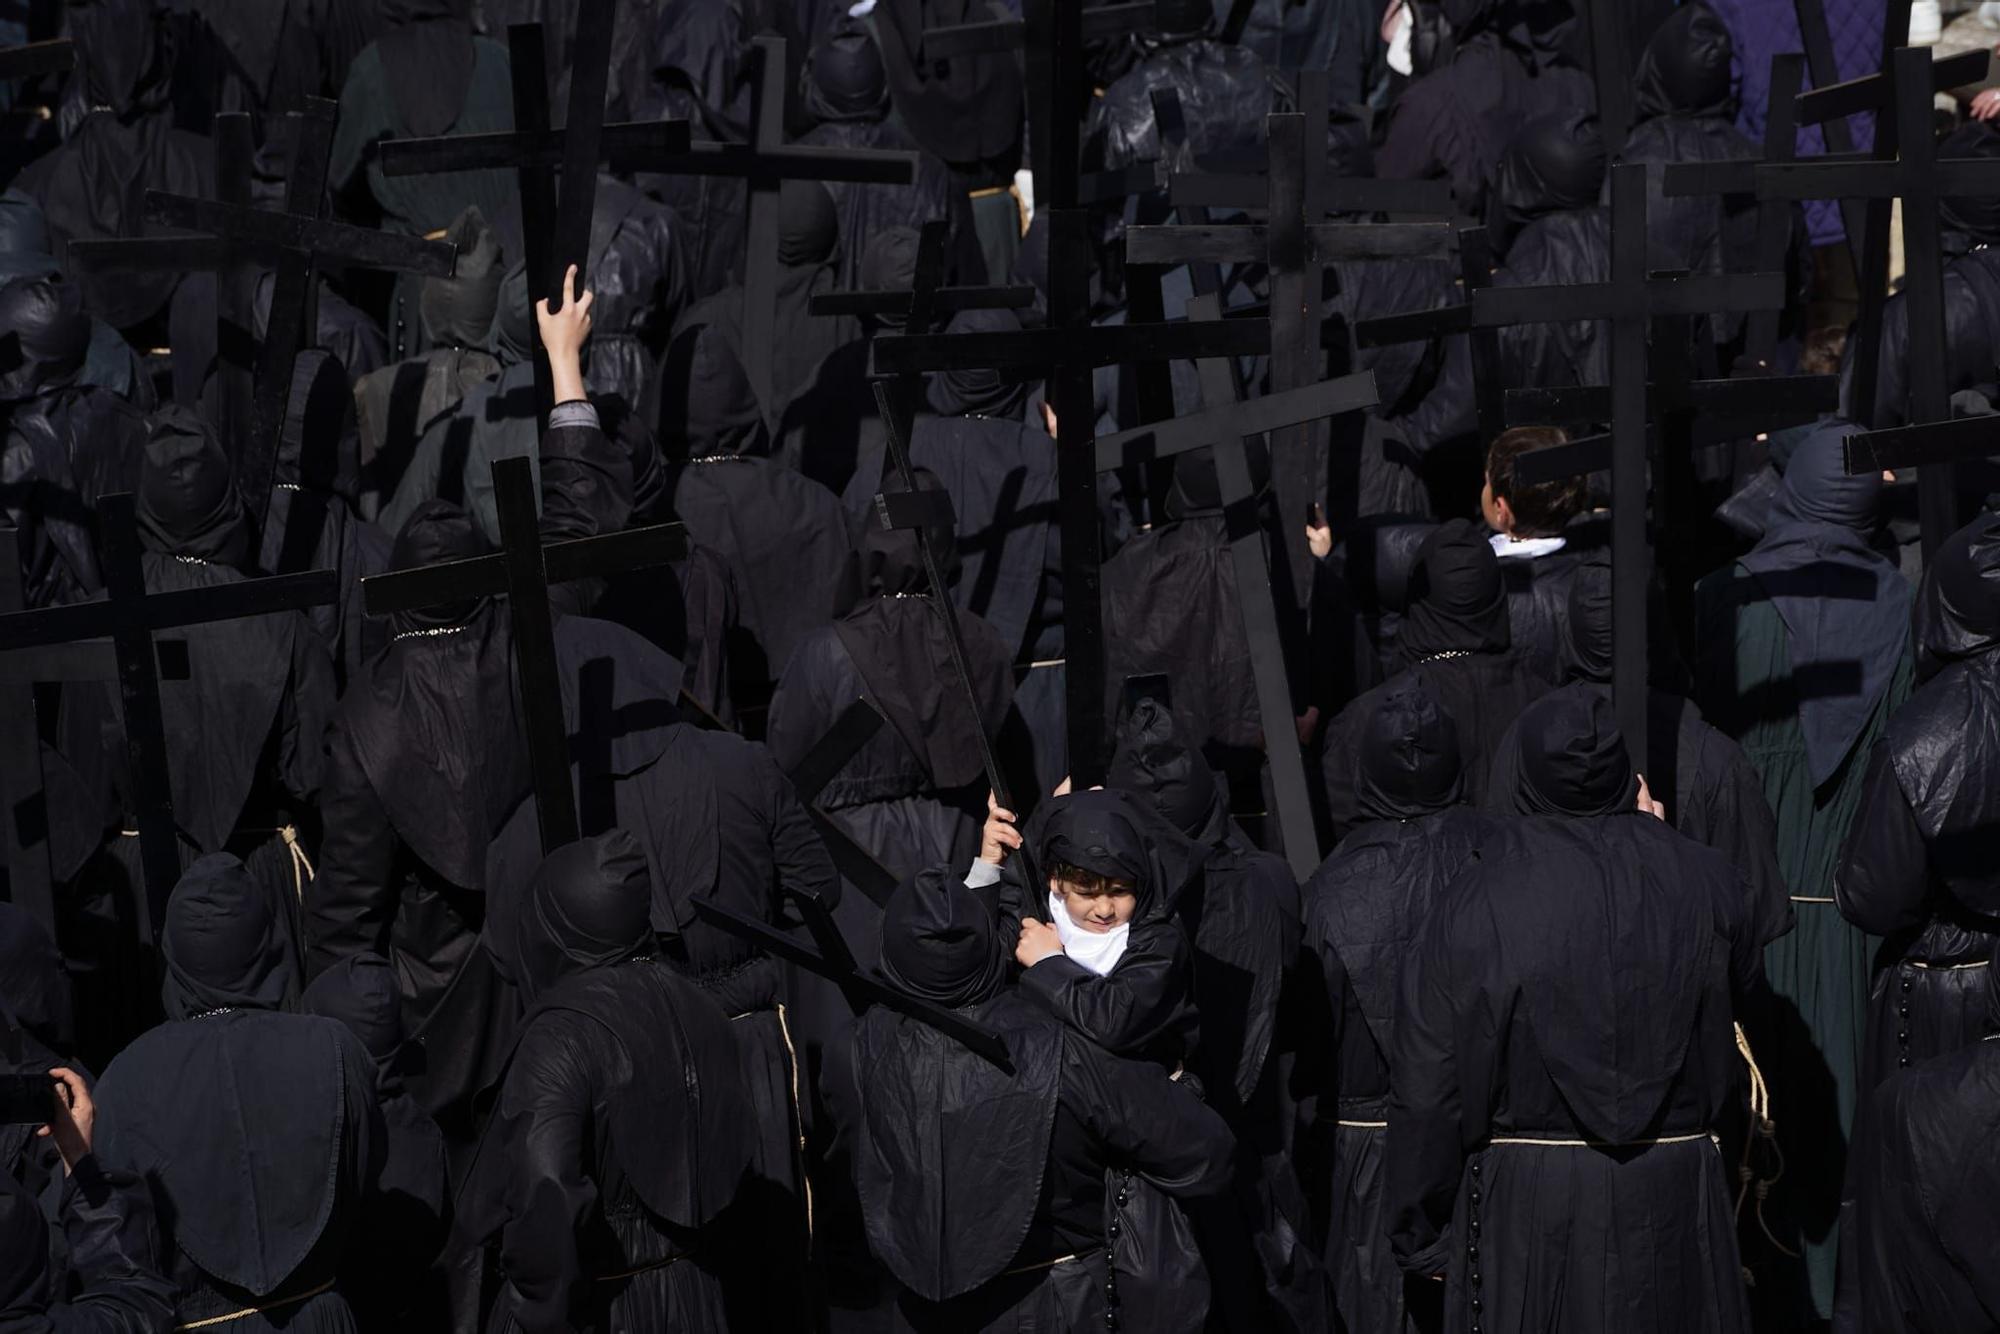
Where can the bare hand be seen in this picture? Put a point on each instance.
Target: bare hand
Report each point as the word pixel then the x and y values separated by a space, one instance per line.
pixel 1000 836
pixel 1049 419
pixel 1986 105
pixel 75 1117
pixel 1038 941
pixel 1062 788
pixel 1656 809
pixel 1306 724
pixel 563 335
pixel 1319 533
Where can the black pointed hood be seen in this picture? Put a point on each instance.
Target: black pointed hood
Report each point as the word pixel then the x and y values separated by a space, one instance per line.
pixel 1573 758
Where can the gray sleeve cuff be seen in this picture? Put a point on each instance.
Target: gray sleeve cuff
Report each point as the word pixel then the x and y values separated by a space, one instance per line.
pixel 982 874
pixel 576 412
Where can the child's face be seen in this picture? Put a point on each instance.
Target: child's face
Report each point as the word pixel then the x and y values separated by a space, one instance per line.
pixel 1096 907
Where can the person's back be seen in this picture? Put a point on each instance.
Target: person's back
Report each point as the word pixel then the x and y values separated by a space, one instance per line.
pixel 256 1130
pixel 1549 231
pixel 1550 1150
pixel 1364 908
pixel 429 74
pixel 1456 638
pixel 1496 64
pixel 1917 865
pixel 391 1282
pixel 1225 94
pixel 1926 1239
pixel 985 1192
pixel 1970 226
pixel 1684 101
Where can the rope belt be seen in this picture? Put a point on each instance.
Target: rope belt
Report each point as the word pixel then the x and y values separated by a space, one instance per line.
pixel 665 1263
pixel 1600 1144
pixel 1763 1127
pixel 1810 898
pixel 257 1310
pixel 798 1113
pixel 302 867
pixel 1368 1125
pixel 1946 967
pixel 1069 1259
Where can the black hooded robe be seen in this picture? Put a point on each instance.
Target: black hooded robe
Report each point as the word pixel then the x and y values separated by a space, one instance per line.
pixel 256 1130
pixel 1549 1145
pixel 1926 1236
pixel 1455 639
pixel 107 1280
pixel 390 1283
pixel 1916 866
pixel 621 1133
pixel 1364 909
pixel 985 1189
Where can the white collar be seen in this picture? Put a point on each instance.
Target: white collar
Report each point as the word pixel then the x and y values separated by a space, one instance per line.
pixel 1525 548
pixel 1099 951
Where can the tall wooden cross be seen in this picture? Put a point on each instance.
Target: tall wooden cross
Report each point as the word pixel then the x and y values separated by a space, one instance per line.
pixel 764 163
pixel 522 570
pixel 1227 425
pixel 1297 247
pixel 1630 301
pixel 1915 175
pixel 130 617
pixel 1067 351
pixel 36 58
pixel 555 230
pixel 294 241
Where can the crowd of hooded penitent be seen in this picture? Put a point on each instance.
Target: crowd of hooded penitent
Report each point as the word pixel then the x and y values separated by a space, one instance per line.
pixel 1542 1045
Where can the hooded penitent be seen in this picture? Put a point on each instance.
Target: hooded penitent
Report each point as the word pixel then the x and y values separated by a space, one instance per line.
pixel 361 992
pixel 1458 602
pixel 1845 606
pixel 1409 763
pixel 225 945
pixel 1685 70
pixel 1977 216
pixel 436 723
pixel 459 310
pixel 944 1133
pixel 844 79
pixel 1110 833
pixel 188 504
pixel 1555 164
pixel 589 904
pixel 197 1105
pixel 966 110
pixel 982 391
pixel 428 56
pixel 894 630
pixel 50 335
pixel 1958 608
pixel 673 1110
pixel 1573 758
pixel 1152 760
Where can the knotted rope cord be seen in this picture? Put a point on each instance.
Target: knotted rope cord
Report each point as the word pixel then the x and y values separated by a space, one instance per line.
pixel 1764 1128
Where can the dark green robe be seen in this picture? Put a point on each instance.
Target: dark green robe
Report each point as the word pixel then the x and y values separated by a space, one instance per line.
pixel 1809 1041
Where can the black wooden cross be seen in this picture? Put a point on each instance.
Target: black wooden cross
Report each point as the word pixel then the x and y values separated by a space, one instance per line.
pixel 555 231
pixel 764 163
pixel 1902 98
pixel 1630 301
pixel 294 241
pixel 1067 351
pixel 1227 425
pixel 1326 194
pixel 130 617
pixel 1296 247
pixel 25 62
pixel 523 569
pixel 921 511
